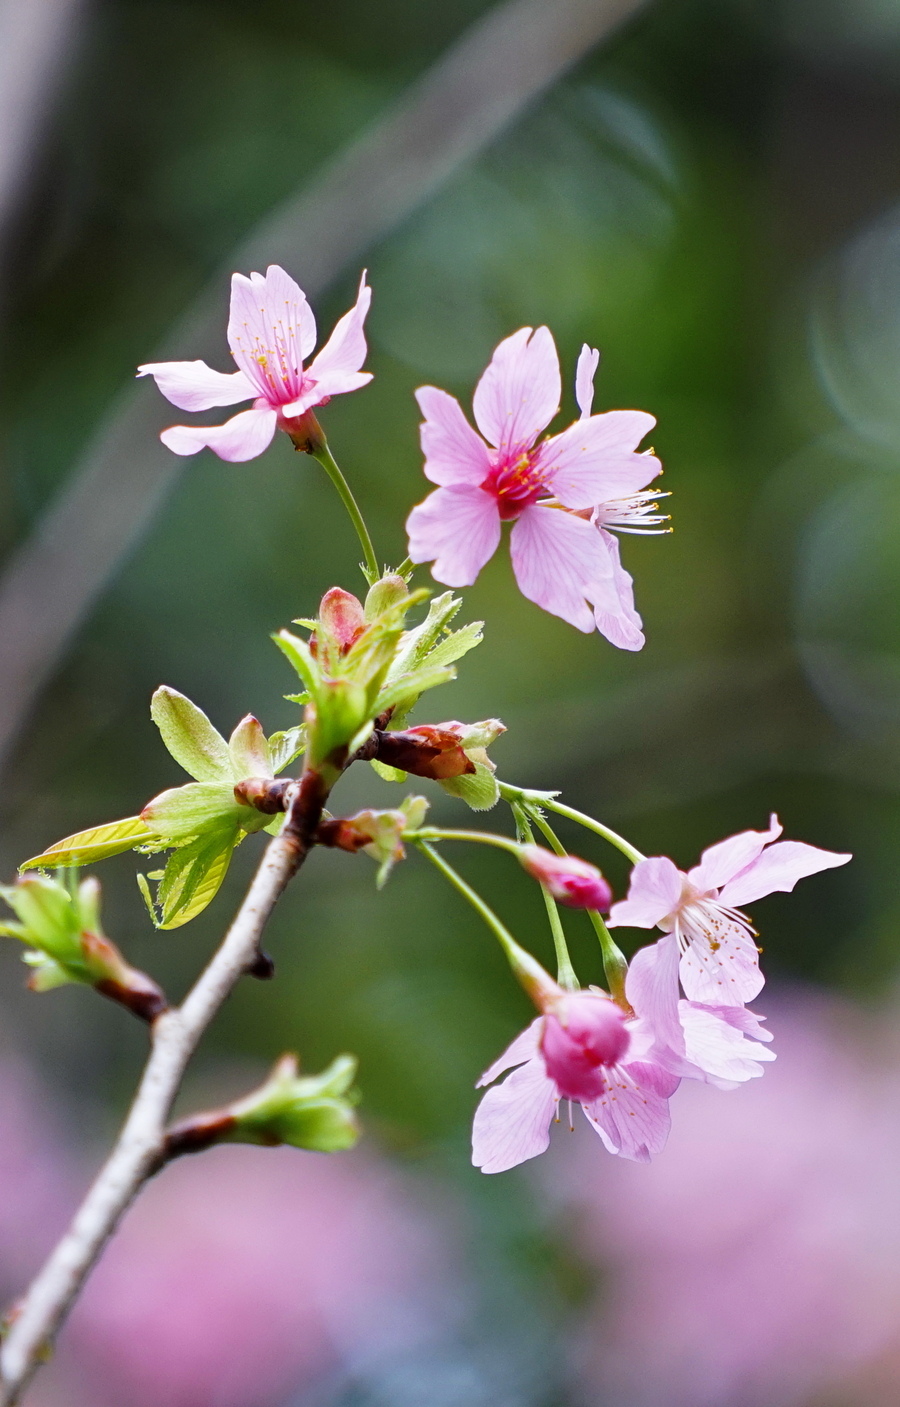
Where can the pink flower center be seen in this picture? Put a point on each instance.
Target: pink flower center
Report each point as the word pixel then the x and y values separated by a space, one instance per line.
pixel 517 480
pixel 275 365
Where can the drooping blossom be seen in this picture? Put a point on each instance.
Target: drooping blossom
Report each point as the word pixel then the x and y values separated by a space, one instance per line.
pixel 625 1097
pixel 718 1045
pixel 271 332
pixel 570 881
pixel 559 491
pixel 719 959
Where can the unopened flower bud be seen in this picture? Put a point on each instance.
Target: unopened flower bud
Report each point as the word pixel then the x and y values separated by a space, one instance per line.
pixel 570 881
pixel 342 615
pixel 387 592
pixel 427 750
pixel 584 1032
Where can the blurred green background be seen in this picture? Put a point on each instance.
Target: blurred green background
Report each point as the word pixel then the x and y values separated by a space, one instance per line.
pixel 711 198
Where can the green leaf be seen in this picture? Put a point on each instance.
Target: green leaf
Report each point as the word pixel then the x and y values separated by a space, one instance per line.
pixel 390 774
pixel 190 737
pixel 46 974
pixel 300 656
pixel 454 646
pixel 84 847
pixel 192 878
pixel 285 747
pixel 195 809
pixel 477 789
pixel 408 689
pixel 249 750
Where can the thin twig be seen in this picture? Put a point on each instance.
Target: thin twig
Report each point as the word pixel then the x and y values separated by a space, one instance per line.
pixel 140 1147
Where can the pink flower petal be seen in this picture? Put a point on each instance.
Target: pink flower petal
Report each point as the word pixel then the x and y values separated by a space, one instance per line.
pixel 726 974
pixel 345 349
pixel 518 395
pixel 271 329
pixel 524 1047
pixel 718 1048
pixel 553 555
pixel 632 1118
pixel 333 383
pixel 778 869
pixel 585 371
pixel 242 437
pixel 742 1019
pixel 512 1122
pixel 195 386
pixel 612 598
pixel 723 861
pixel 457 527
pixel 654 892
pixel 454 453
pixel 652 989
pixel 593 461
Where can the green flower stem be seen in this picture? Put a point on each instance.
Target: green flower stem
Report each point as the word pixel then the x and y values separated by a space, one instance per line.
pixel 614 963
pixel 502 842
pixel 565 972
pixel 528 970
pixel 597 827
pixel 322 453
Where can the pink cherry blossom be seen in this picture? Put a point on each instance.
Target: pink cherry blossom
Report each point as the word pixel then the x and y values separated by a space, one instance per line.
pixel 561 492
pixel 719 959
pixel 271 331
pixel 512 1122
pixel 583 1033
pixel 571 881
pixel 717 1045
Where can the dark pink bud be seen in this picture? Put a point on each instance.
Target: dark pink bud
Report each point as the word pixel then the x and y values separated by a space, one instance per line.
pixel 571 881
pixel 343 615
pixel 583 1034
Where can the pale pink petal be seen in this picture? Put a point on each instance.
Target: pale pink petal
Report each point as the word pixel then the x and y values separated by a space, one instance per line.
pixel 553 555
pixel 742 1019
pixel 524 1047
pixel 612 598
pixel 593 461
pixel 333 383
pixel 345 349
pixel 454 453
pixel 459 529
pixel 195 386
pixel 242 437
pixel 723 861
pixel 718 1048
pixel 652 989
pixel 518 395
pixel 722 970
pixel 512 1122
pixel 654 892
pixel 585 371
pixel 632 1117
pixel 778 869
pixel 270 330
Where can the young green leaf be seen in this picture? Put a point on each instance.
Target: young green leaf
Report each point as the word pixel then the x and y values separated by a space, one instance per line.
pixel 249 750
pixel 196 809
pixel 190 737
pixel 285 747
pixel 191 878
pixel 98 843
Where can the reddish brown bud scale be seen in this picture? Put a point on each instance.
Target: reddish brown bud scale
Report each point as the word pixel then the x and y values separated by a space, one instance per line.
pixel 425 751
pixel 263 793
pixel 122 983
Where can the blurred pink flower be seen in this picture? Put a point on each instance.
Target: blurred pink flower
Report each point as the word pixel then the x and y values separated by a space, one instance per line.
pixel 512 1122
pixel 246 1274
pixel 719 963
pixel 552 489
pixel 758 1263
pixel 271 331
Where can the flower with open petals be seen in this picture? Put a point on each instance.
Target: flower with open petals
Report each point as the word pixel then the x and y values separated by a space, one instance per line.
pixel 552 489
pixel 271 331
pixel 602 1065
pixel 719 959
